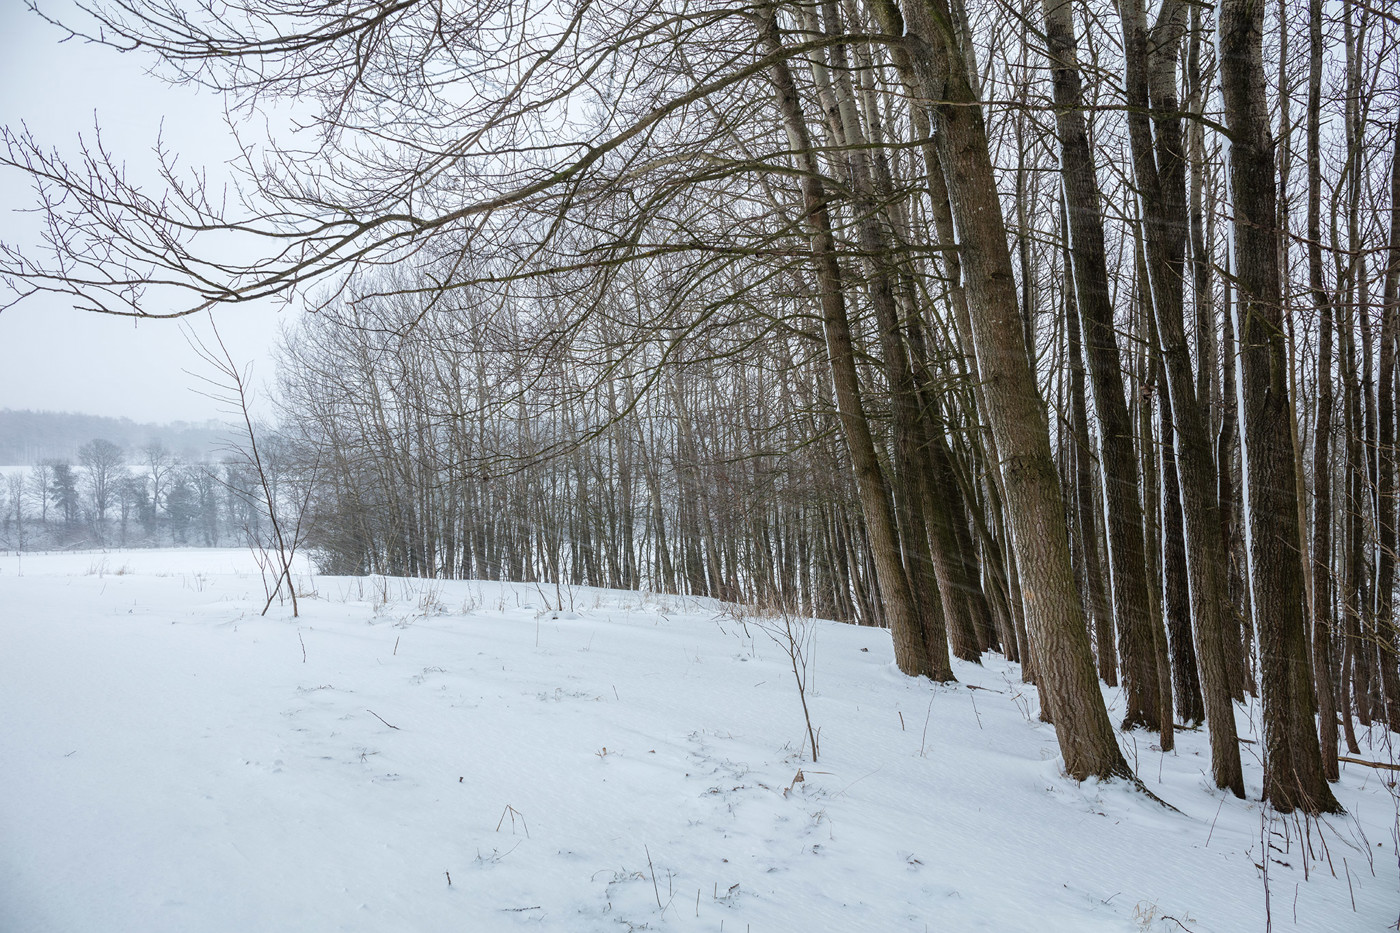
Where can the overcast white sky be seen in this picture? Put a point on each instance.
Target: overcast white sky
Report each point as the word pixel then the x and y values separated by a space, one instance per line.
pixel 52 357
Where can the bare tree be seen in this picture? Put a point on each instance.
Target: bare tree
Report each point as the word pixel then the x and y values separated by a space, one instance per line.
pixel 1294 777
pixel 229 385
pixel 103 462
pixel 1035 509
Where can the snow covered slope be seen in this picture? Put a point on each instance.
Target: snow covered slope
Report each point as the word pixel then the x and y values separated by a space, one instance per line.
pixel 415 756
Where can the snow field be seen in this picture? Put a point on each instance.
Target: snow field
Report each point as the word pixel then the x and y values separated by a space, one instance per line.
pixel 416 755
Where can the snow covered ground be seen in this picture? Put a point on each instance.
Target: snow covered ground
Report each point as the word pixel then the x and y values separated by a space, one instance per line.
pixel 416 756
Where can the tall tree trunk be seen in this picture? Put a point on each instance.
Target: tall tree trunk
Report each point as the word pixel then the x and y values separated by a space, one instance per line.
pixel 911 650
pixel 959 589
pixel 1356 314
pixel 1178 592
pixel 1228 457
pixel 1163 229
pixel 1149 379
pixel 1086 495
pixel 1127 557
pixel 991 611
pixel 877 243
pixel 1322 427
pixel 1294 777
pixel 1054 615
pixel 1385 494
pixel 1351 558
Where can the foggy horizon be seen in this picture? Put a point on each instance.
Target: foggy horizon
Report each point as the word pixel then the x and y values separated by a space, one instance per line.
pixel 63 359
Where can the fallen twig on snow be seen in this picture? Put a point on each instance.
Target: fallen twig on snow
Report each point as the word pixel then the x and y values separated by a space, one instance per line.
pixel 381 719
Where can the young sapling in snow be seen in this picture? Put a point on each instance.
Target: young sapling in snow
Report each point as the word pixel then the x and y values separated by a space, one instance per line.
pixel 229 386
pixel 793 634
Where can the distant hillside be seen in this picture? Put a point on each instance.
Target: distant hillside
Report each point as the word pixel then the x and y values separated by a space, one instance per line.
pixel 26 437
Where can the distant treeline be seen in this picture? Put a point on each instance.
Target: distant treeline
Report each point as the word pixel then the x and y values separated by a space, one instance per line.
pixel 134 497
pixel 30 437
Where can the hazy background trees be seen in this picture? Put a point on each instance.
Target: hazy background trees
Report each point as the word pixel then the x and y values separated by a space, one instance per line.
pixel 108 497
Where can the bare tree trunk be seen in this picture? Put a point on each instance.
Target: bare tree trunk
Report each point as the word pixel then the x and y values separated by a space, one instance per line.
pixel 1164 236
pixel 911 650
pixel 1127 556
pixel 1178 592
pixel 958 589
pixel 1351 559
pixel 1149 378
pixel 1054 615
pixel 1086 495
pixel 1294 775
pixel 1385 493
pixel 1322 427
pixel 963 599
pixel 1237 631
pixel 876 241
pixel 995 611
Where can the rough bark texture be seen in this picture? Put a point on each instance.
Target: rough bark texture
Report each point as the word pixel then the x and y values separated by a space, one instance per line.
pixel 1385 483
pixel 1178 593
pixel 959 584
pixel 1087 500
pixel 1125 518
pixel 1352 544
pixel 844 126
pixel 1227 456
pixel 911 650
pixel 1322 427
pixel 1195 468
pixel 1054 615
pixel 1294 777
pixel 994 607
pixel 1147 376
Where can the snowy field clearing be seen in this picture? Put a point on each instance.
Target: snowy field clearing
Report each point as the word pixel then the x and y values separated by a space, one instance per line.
pixel 414 756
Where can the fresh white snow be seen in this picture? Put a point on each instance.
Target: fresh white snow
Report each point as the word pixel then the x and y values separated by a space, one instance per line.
pixel 585 760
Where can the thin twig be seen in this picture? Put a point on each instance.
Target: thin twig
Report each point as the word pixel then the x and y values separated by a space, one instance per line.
pixel 381 719
pixel 654 886
pixel 1212 822
pixel 928 713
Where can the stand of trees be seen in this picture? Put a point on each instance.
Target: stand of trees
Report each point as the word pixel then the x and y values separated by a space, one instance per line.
pixel 1064 329
pixel 116 497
